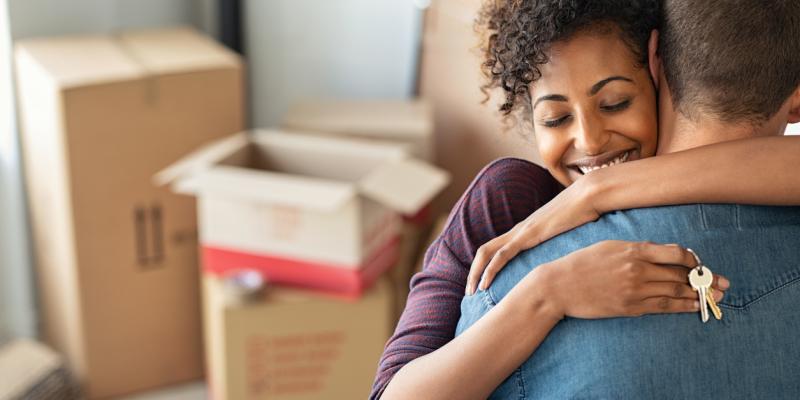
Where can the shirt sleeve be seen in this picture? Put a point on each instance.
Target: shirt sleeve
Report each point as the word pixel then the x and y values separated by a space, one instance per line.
pixel 504 193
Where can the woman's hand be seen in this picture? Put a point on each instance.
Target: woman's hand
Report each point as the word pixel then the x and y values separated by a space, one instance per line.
pixel 571 208
pixel 623 279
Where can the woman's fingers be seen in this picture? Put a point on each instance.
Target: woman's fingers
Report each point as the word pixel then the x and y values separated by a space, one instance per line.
pixel 664 254
pixel 482 257
pixel 670 254
pixel 721 282
pixel 500 259
pixel 665 305
pixel 669 273
pixel 673 289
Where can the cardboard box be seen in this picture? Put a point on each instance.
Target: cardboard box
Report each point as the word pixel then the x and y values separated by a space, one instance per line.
pixel 295 344
pixel 116 257
pixel 469 134
pixel 396 121
pixel 400 274
pixel 30 370
pixel 305 210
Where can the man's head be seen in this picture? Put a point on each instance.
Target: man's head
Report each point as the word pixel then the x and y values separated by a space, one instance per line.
pixel 731 61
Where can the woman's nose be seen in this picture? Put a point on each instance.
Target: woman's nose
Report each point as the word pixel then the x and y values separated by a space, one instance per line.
pixel 590 136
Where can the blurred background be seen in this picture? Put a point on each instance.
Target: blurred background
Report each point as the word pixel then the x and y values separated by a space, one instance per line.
pixel 225 198
pixel 150 250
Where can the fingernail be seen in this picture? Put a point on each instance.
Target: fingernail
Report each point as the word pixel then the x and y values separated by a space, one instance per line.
pixel 672 244
pixel 724 283
pixel 696 305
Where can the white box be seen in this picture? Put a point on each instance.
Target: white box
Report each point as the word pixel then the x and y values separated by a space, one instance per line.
pixel 302 201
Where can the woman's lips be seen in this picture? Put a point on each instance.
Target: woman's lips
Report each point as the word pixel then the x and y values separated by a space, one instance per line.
pixel 614 161
pixel 587 165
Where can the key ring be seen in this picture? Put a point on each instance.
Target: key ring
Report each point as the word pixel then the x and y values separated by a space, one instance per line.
pixel 699 265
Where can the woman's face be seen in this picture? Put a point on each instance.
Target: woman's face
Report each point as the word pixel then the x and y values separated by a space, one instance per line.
pixel 592 107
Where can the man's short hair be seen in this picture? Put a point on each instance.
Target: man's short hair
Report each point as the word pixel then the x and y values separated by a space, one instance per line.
pixel 734 60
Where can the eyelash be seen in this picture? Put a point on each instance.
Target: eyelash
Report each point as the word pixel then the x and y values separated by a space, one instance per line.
pixel 554 123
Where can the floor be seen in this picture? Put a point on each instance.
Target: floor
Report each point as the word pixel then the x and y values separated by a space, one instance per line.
pixel 190 391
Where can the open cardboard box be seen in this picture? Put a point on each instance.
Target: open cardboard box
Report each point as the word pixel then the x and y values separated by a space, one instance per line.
pixel 305 210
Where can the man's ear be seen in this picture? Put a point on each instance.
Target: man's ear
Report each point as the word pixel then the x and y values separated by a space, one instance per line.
pixel 653 60
pixel 794 107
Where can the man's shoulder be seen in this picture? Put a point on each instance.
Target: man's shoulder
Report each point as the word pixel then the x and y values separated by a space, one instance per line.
pixel 700 217
pixel 721 232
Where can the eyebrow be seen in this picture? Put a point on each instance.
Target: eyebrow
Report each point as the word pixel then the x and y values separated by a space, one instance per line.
pixel 592 91
pixel 550 97
pixel 599 85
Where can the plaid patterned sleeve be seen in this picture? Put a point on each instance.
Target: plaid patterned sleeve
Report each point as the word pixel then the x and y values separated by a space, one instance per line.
pixel 504 193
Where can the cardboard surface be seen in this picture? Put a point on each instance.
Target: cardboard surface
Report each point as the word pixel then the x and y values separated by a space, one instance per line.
pixel 295 344
pixel 408 122
pixel 116 257
pixel 314 199
pixel 469 134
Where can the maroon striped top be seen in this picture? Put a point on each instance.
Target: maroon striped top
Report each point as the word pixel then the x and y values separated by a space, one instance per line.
pixel 504 193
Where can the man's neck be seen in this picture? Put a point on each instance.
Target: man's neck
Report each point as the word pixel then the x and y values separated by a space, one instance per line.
pixel 679 133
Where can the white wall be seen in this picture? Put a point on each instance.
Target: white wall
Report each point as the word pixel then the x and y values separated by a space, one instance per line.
pixel 56 17
pixel 322 48
pixel 17 311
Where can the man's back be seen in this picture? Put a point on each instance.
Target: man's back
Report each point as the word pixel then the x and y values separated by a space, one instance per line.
pixel 752 353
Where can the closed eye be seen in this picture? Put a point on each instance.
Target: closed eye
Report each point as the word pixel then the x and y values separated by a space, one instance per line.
pixel 554 123
pixel 617 107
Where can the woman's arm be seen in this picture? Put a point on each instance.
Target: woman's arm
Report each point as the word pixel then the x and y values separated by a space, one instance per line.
pixel 646 278
pixel 473 364
pixel 502 194
pixel 748 171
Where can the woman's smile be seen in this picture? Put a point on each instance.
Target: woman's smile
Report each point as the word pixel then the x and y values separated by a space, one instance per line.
pixel 594 106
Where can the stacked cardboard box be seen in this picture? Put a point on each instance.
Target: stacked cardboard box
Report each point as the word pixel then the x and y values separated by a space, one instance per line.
pixel 116 257
pixel 294 344
pixel 406 122
pixel 305 210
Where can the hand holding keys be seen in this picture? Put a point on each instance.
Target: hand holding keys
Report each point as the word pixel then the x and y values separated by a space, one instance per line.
pixel 701 278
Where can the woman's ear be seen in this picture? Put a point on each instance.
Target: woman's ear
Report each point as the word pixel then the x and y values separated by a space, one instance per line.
pixel 794 107
pixel 653 60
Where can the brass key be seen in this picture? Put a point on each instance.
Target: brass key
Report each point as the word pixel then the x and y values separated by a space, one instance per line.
pixel 713 304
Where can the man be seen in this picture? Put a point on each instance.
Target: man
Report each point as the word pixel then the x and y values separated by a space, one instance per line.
pixel 753 352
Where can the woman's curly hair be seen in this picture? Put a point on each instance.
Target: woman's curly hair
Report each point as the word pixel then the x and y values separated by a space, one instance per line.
pixel 517 36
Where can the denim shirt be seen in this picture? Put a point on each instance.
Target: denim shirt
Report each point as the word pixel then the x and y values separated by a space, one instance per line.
pixel 753 352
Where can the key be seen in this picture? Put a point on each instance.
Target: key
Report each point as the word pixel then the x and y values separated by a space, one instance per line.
pixel 713 304
pixel 700 278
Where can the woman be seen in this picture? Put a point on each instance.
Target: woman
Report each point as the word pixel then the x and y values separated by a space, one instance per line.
pixel 593 105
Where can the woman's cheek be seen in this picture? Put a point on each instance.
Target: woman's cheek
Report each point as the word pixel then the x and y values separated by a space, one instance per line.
pixel 552 151
pixel 548 148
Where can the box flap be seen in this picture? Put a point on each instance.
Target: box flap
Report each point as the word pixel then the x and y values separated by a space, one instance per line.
pixel 74 61
pixel 201 159
pixel 166 51
pixel 397 119
pixel 269 187
pixel 80 60
pixel 404 185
